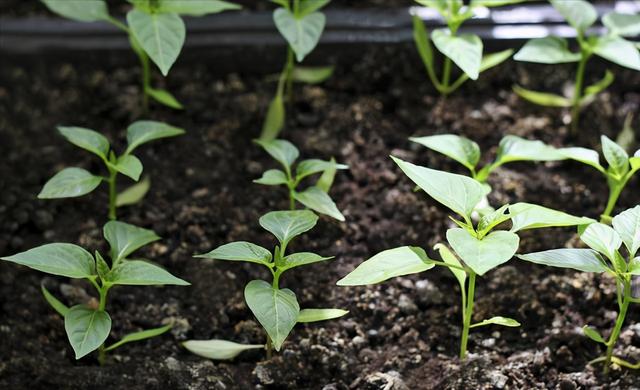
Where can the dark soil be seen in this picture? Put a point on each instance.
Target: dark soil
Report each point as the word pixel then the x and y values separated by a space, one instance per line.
pixel 402 334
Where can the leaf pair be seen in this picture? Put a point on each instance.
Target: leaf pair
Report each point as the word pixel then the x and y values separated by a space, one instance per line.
pixel 301 27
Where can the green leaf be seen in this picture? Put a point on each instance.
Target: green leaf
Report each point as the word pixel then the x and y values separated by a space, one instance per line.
pixel 301 33
pixel 195 7
pixel 459 193
pixel 549 50
pixel 141 132
pixel 80 10
pixel 493 219
pixel 616 157
pixel 86 329
pixel 125 238
pixel 315 315
pixel 277 310
pixel 286 225
pixel 160 35
pixel 451 259
pixel 58 306
pixel 585 260
pixel 618 50
pixel 311 166
pixel 129 165
pixel 319 201
pixel 301 258
pixel 69 183
pixel 281 150
pixel 483 255
pixel 461 149
pixel 626 25
pixel 421 39
pixel 142 273
pixel 240 251
pixel 600 86
pixel 272 177
pixel 542 98
pixel 404 260
pixel 311 75
pixel 498 320
pixel 634 266
pixel 593 334
pixel 326 179
pixel 310 6
pixel 513 148
pixel 627 225
pixel 274 121
pixel 57 259
pixel 134 193
pixel 579 13
pixel 101 266
pixel 465 50
pixel 494 59
pixel 602 238
pixel 86 139
pixel 583 155
pixel 164 97
pixel 533 216
pixel 218 349
pixel 137 336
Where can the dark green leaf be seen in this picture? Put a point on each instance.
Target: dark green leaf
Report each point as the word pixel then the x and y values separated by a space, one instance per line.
pixel 302 33
pixel 301 258
pixel 86 329
pixel 137 336
pixel 142 273
pixel 240 251
pixel 129 165
pixel 281 150
pixel 616 157
pixel 80 10
pixel 58 306
pixel 319 201
pixel 57 259
pixel 164 97
pixel 86 139
pixel 69 183
pixel 272 177
pixel 125 238
pixel 101 266
pixel 286 225
pixel 461 149
pixel 141 132
pixel 134 193
pixel 309 167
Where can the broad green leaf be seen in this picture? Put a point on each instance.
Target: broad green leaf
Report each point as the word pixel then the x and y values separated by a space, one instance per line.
pixel 626 25
pixel 301 258
pixel 86 329
pixel 281 150
pixel 125 238
pixel 421 39
pixel 302 33
pixel 195 7
pixel 326 179
pixel 616 157
pixel 465 50
pixel 277 310
pixel 160 35
pixel 310 6
pixel 483 255
pixel 461 149
pixel 513 148
pixel 141 132
pixel 600 86
pixel 459 193
pixel 101 266
pixel 142 273
pixel 309 167
pixel 86 139
pixel 129 165
pixel 58 306
pixel 498 320
pixel 627 225
pixel 134 193
pixel 137 336
pixel 494 3
pixel 218 349
pixel 274 121
pixel 593 334
pixel 69 183
pixel 240 251
pixel 286 225
pixel 542 98
pixel 57 259
pixel 634 266
pixel 533 216
pixel 164 97
pixel 619 51
pixel 272 177
pixel 602 238
pixel 80 10
pixel 311 75
pixel 494 59
pixel 585 260
pixel 315 315
pixel 318 201
pixel 404 260
pixel 579 13
pixel 451 259
pixel 548 50
pixel 583 155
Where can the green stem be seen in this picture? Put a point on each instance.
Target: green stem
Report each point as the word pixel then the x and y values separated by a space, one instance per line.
pixel 577 93
pixel 611 343
pixel 446 76
pixel 112 193
pixel 614 193
pixel 146 72
pixel 102 354
pixel 468 312
pixel 289 75
pixel 269 347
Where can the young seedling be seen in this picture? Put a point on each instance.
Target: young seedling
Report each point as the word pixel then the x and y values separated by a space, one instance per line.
pixel 314 197
pixel 605 255
pixel 464 50
pixel 301 24
pixel 155 28
pixel 276 308
pixel 555 50
pixel 73 182
pixel 477 249
pixel 88 325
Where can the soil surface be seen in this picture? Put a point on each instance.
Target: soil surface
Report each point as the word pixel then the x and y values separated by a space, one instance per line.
pixel 402 334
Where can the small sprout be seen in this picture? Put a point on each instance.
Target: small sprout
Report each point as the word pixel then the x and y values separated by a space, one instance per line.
pixel 606 255
pixel 276 309
pixel 581 15
pixel 74 182
pixel 314 197
pixel 88 327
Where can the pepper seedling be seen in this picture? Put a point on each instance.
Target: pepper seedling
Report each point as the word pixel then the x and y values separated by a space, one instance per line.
pixel 464 50
pixel 476 249
pixel 88 325
pixel 604 256
pixel 555 50
pixel 155 28
pixel 301 24
pixel 74 182
pixel 276 308
pixel 314 197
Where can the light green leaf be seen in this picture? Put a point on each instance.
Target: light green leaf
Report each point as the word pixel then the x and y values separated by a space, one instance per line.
pixel 164 97
pixel 465 50
pixel 315 315
pixel 311 75
pixel 634 266
pixel 483 255
pixel 57 259
pixel 616 157
pixel 461 149
pixel 277 310
pixel 160 35
pixel 86 139
pixel 195 7
pixel 585 260
pixel 542 98
pixel 274 121
pixel 602 238
pixel 301 258
pixel 272 177
pixel 494 59
pixel 101 265
pixel 80 10
pixel 218 349
pixel 310 6
pixel 141 132
pixel 579 13
pixel 309 167
pixel 513 148
pixel 142 273
pixel 451 259
pixel 302 33
pixel 326 179
pixel 583 155
pixel 421 39
pixel 626 25
pixel 619 51
pixel 125 238
pixel 86 329
pixel 134 193
pixel 404 260
pixel 318 201
pixel 593 334
pixel 286 225
pixel 498 320
pixel 137 336
pixel 240 251
pixel 533 216
pixel 627 225
pixel 281 150
pixel 548 50
pixel 58 306
pixel 69 183
pixel 129 165
pixel 600 86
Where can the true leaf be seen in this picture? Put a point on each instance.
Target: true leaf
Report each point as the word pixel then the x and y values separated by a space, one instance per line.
pixel 315 315
pixel 498 320
pixel 602 238
pixel 319 201
pixel 326 179
pixel 69 183
pixel 532 216
pixel 274 121
pixel 302 33
pixel 195 7
pixel 137 336
pixel 311 166
pixel 300 258
pixel 548 50
pixel 80 10
pixel 542 98
pixel 60 259
pixel 129 165
pixel 494 59
pixel 451 259
pixel 618 50
pixel 272 177
pixel 311 75
pixel 593 334
pixel 240 251
pixel 218 349
pixel 461 149
pixel 634 266
pixel 579 13
pixel 483 255
pixel 163 96
pixel 627 225
pixel 286 225
pixel 626 25
pixel 585 260
pixel 86 139
pixel 494 218
pixel 58 306
pixel 281 150
pixel 141 132
pixel 86 329
pixel 599 86
pixel 583 155
pixel 616 157
pixel 465 50
pixel 134 193
pixel 142 273
pixel 125 238
pixel 101 266
pixel 513 148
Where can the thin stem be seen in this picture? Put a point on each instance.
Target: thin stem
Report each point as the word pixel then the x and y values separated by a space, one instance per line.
pixel 468 312
pixel 102 354
pixel 289 75
pixel 112 193
pixel 269 347
pixel 611 343
pixel 443 264
pixel 446 76
pixel 146 72
pixel 577 92
pixel 615 189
